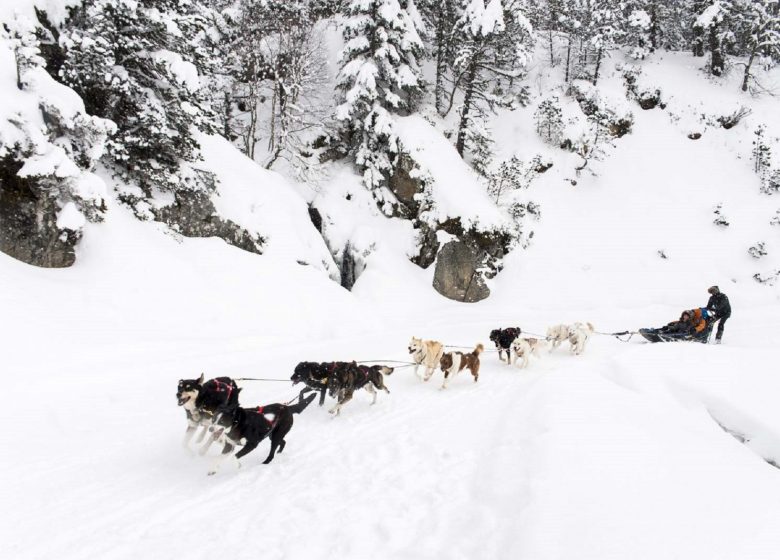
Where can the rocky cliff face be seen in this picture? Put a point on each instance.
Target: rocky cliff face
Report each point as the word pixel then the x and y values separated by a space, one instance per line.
pixel 463 264
pixel 28 221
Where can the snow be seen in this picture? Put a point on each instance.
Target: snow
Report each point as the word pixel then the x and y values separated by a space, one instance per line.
pixel 456 189
pixel 184 72
pixel 631 450
pixel 70 218
pixel 263 202
pixel 484 20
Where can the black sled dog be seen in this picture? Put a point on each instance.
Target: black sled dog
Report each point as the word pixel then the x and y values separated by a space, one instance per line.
pixel 250 426
pixel 200 400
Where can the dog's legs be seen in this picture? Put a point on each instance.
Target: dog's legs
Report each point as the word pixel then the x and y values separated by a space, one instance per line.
pixel 446 379
pixel 248 448
pixel 416 370
pixel 218 462
pixel 202 434
pixel 191 429
pixel 370 389
pixel 322 395
pixel 343 399
pixel 281 446
pixel 208 443
pixel 276 442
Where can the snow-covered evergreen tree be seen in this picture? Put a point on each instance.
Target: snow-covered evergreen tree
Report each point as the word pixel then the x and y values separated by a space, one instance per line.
pixel 605 28
pixel 713 28
pixel 379 77
pixel 58 156
pixel 441 17
pixel 137 63
pixel 549 120
pixel 494 44
pixel 761 23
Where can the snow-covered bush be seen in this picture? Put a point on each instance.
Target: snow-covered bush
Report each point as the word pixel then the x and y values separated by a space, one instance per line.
pixel 647 97
pixel 720 219
pixel 775 221
pixel 611 114
pixel 732 119
pixel 762 161
pixel 769 278
pixel 549 120
pixel 758 250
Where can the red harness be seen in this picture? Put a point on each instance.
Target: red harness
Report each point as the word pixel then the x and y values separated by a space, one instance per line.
pixel 273 422
pixel 227 387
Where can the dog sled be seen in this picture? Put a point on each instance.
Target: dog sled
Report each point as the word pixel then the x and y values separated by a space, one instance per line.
pixel 693 326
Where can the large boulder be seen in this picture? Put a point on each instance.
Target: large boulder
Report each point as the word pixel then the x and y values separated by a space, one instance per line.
pixel 459 272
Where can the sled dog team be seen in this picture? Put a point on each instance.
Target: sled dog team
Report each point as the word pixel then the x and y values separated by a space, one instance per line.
pixel 213 405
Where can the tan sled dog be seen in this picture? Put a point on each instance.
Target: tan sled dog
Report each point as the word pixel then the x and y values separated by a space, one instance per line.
pixel 522 348
pixel 425 353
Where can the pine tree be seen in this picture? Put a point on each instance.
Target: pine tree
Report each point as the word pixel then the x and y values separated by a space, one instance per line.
pixel 713 26
pixel 549 120
pixel 606 27
pixel 761 20
pixel 138 64
pixel 442 17
pixel 379 77
pixel 494 45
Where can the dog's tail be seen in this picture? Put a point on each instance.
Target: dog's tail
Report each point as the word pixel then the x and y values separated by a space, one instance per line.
pixel 479 348
pixel 301 405
pixel 386 370
pixel 591 327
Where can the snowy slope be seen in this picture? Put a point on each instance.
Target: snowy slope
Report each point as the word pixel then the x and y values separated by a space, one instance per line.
pixel 620 453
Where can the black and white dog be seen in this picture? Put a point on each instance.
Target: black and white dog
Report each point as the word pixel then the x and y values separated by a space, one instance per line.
pixel 201 400
pixel 315 376
pixel 503 338
pixel 249 426
pixel 349 377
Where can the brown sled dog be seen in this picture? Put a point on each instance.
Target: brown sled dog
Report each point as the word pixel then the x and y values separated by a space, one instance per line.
pixel 452 363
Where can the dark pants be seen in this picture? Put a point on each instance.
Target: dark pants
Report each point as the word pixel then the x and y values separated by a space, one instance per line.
pixel 721 322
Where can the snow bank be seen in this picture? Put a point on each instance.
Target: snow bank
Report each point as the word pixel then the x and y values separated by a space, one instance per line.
pixel 456 189
pixel 264 203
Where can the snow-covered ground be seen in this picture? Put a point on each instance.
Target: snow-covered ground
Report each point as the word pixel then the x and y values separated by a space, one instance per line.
pixel 631 450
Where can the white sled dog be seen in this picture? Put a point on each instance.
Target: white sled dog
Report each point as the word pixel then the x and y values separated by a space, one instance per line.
pixel 522 348
pixel 557 335
pixel 426 353
pixel 579 334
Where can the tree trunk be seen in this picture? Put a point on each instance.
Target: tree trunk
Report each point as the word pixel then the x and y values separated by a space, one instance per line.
pixel 746 79
pixel 226 128
pixel 717 60
pixel 697 44
pixel 468 99
pixel 441 67
pixel 598 65
pixel 552 49
pixel 568 61
pixel 654 26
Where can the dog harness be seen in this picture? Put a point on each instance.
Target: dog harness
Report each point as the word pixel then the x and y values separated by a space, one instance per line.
pixel 273 422
pixel 222 386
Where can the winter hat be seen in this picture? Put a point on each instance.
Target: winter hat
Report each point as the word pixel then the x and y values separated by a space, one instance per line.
pixel 713 290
